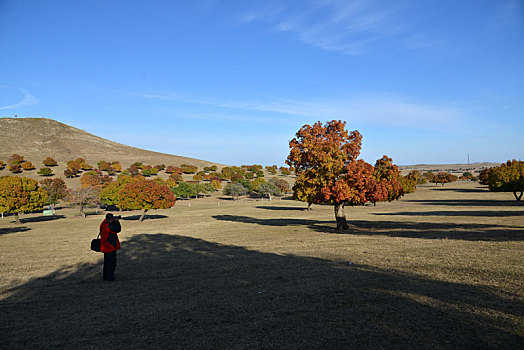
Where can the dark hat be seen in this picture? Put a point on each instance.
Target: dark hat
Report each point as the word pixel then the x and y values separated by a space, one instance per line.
pixel 109 216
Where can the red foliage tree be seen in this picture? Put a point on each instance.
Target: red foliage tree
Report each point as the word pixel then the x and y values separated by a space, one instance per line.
pixel 325 161
pixel 484 175
pixel 324 158
pixel 388 174
pixel 145 195
pixel 443 178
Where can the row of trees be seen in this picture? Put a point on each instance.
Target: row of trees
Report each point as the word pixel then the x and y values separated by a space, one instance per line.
pixel 21 194
pixel 17 163
pixel 272 187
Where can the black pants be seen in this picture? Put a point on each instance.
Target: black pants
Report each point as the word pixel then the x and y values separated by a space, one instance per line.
pixel 109 265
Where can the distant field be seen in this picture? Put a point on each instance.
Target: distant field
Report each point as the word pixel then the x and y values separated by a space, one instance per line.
pixel 441 268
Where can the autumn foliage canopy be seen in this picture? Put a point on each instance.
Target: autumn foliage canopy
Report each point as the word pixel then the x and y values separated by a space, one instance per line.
pixel 20 195
pixel 325 160
pixel 508 177
pixel 145 195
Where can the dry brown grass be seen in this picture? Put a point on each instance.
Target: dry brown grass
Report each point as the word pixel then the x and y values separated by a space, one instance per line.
pixel 441 268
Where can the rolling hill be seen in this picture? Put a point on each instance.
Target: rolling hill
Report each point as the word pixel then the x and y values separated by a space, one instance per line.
pixel 38 138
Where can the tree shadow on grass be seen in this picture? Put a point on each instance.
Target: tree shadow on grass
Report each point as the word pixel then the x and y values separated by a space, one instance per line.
pixel 274 207
pixel 468 202
pixel 147 217
pixel 480 213
pixel 42 218
pixel 439 230
pixel 9 230
pixel 426 230
pixel 180 292
pixel 317 225
pixel 462 190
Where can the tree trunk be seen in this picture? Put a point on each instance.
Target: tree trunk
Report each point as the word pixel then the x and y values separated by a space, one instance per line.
pixel 82 211
pixel 341 217
pixel 17 219
pixel 142 217
pixel 309 206
pixel 518 197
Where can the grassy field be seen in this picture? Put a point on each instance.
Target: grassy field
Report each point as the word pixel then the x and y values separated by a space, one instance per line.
pixel 441 268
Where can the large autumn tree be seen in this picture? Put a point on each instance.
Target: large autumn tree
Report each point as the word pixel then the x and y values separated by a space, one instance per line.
pixel 508 177
pixel 328 172
pixel 145 195
pixel 20 195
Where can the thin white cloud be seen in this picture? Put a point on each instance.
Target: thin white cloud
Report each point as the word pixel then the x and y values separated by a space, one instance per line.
pixel 27 100
pixel 375 110
pixel 341 26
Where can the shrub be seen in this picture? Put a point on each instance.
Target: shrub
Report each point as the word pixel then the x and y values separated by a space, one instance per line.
pixel 216 183
pixel 189 169
pixel 15 168
pixel 69 174
pixel 235 190
pixel 50 162
pixel 149 171
pixel 282 184
pixel 186 190
pixel 269 189
pixel 15 159
pixel 257 182
pixel 284 170
pixel 45 172
pixel 28 166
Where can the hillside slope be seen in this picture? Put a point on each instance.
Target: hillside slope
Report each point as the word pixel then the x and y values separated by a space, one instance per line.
pixel 38 138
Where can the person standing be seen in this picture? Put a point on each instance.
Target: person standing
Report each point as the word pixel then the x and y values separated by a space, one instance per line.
pixel 109 244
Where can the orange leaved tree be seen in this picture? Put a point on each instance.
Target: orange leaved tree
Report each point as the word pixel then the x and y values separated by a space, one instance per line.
pixel 20 195
pixel 145 195
pixel 388 174
pixel 325 161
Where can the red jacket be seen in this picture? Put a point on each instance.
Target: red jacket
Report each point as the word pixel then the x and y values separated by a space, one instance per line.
pixel 108 236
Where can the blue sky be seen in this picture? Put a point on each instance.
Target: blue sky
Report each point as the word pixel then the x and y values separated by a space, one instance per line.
pixel 232 81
